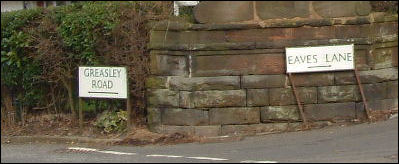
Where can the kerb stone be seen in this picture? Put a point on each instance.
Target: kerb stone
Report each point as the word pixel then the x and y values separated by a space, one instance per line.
pixel 253 129
pixel 207 131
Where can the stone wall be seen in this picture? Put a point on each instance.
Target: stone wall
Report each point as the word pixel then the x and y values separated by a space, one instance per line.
pixel 220 79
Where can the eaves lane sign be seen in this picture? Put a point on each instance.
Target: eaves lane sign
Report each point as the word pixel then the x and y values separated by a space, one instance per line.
pixel 321 58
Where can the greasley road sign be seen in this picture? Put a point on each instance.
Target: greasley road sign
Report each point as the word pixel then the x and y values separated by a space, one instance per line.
pixel 103 82
pixel 321 58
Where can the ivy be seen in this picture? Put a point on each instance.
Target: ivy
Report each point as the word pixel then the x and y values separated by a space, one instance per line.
pixel 112 121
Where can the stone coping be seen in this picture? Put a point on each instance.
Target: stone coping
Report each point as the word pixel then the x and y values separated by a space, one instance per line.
pixel 377 17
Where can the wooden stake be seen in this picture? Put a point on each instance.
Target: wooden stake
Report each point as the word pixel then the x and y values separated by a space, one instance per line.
pixel 81 114
pixel 128 108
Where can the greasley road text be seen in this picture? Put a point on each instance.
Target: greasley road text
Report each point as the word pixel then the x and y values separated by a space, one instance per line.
pixel 99 72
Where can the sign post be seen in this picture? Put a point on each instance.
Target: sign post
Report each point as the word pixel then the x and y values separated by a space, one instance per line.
pixel 319 59
pixel 103 82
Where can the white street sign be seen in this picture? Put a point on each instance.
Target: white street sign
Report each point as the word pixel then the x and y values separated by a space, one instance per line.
pixel 321 58
pixel 103 82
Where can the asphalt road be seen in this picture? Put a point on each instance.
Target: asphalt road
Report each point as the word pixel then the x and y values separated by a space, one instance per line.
pixel 375 142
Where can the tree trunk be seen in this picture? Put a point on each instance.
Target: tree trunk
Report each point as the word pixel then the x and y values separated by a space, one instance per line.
pixel 69 87
pixel 9 107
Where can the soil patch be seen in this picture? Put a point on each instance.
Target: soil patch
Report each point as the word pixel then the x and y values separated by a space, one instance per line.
pixel 142 136
pixel 65 125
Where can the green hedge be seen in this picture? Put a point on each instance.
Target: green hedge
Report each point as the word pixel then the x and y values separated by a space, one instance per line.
pixel 42 48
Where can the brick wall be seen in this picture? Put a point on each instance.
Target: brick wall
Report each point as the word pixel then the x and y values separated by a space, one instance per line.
pixel 218 79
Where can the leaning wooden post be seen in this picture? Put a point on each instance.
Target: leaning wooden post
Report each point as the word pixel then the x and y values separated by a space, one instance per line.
pixel 128 106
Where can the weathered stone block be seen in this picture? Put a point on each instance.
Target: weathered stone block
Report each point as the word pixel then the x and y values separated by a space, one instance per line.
pixel 319 22
pixel 333 9
pixel 366 41
pixel 223 11
pixel 203 99
pixel 257 97
pixel 186 100
pixel 330 111
pixel 375 91
pixel 169 37
pixel 357 21
pixel 395 57
pixel 205 83
pixel 385 104
pixel 392 89
pixel 285 96
pixel 238 65
pixel 232 52
pixel 352 31
pixel 264 81
pixel 337 93
pixel 282 35
pixel 186 37
pixel 345 77
pixel 380 75
pixel 363 8
pixel 383 57
pixel 313 79
pixel 306 36
pixel 176 116
pixel 219 46
pixel 279 113
pixel 282 9
pixel 225 27
pixel 207 131
pixel 384 29
pixel 371 76
pixel 253 129
pixel 362 59
pixel 235 115
pixel 156 82
pixel 162 98
pixel 153 118
pixel 171 25
pixel 386 44
pixel 168 65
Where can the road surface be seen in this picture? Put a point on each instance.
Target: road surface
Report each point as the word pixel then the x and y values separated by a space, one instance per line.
pixel 375 142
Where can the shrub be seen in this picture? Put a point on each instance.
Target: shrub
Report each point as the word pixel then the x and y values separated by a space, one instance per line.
pixel 112 121
pixel 20 71
pixel 42 49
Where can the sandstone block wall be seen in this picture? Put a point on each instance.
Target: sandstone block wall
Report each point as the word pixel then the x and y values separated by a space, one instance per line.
pixel 218 79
